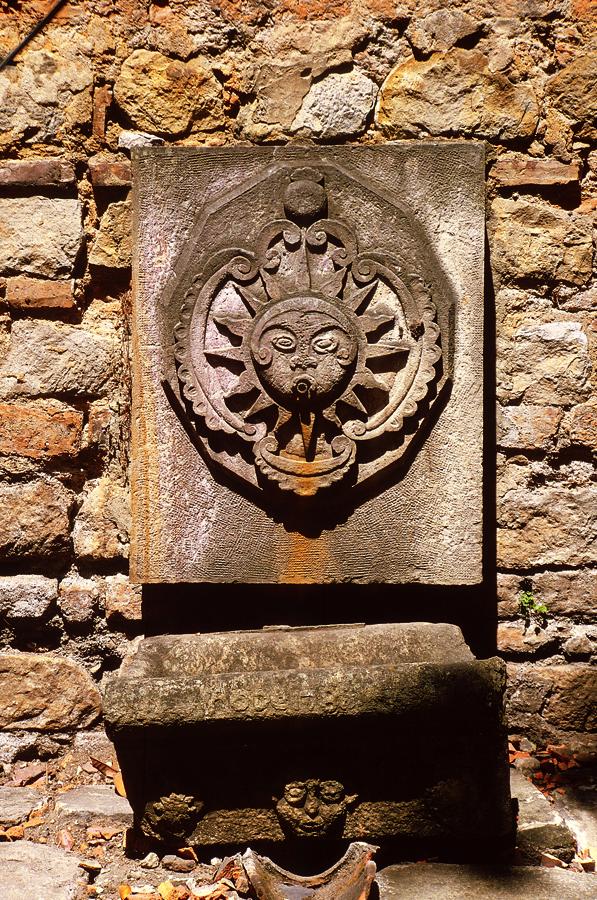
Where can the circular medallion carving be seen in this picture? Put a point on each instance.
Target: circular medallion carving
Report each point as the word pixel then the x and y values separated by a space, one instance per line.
pixel 304 346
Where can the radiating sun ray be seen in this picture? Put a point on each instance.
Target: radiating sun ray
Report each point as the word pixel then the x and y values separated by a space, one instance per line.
pixel 244 385
pixel 230 354
pixel 365 378
pixel 351 399
pixel 261 403
pixel 376 351
pixel 356 297
pixel 371 323
pixel 251 300
pixel 236 325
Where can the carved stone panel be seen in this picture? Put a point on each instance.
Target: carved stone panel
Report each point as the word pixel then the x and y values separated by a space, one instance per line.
pixel 307 362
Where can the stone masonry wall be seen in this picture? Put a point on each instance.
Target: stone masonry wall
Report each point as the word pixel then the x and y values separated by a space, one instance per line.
pixel 105 76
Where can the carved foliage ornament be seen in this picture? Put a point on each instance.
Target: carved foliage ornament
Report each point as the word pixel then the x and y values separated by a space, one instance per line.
pixel 304 346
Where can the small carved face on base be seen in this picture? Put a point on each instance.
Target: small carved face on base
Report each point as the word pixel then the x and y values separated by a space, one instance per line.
pixel 303 350
pixel 171 818
pixel 312 808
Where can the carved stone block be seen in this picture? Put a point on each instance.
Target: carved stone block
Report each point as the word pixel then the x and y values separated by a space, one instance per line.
pixel 307 357
pixel 374 733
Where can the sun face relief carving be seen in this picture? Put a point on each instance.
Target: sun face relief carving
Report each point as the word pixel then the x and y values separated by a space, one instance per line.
pixel 313 808
pixel 303 346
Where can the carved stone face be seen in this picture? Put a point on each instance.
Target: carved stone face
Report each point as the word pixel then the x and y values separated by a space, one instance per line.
pixel 311 808
pixel 303 350
pixel 172 817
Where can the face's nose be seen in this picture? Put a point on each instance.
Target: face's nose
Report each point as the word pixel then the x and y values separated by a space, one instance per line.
pixel 312 806
pixel 302 361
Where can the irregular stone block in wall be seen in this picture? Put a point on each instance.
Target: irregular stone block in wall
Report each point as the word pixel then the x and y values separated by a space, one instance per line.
pixel 527 427
pixel 306 408
pixel 45 92
pixel 122 600
pixel 543 363
pixel 550 525
pixel 533 239
pixel 27 596
pixel 101 529
pixel 571 592
pixel 44 692
pixel 337 106
pixel 47 358
pixel 112 245
pixel 557 697
pixel 78 599
pixel 455 93
pixel 572 91
pixel 34 518
pixel 167 96
pixel 109 170
pixel 40 236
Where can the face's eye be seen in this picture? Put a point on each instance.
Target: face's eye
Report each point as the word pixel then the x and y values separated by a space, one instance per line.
pixel 325 343
pixel 286 343
pixel 295 794
pixel 331 791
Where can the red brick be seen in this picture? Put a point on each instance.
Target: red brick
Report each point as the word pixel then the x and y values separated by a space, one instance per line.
pixel 38 172
pixel 40 430
pixel 36 293
pixel 102 98
pixel 517 172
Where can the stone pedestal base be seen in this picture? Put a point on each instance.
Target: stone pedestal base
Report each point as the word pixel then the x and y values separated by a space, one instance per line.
pixel 349 732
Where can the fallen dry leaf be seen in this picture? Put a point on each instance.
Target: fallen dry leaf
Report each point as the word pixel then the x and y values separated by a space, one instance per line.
pixel 65 839
pixel 119 785
pixel 107 770
pixel 14 833
pixel 124 891
pixel 187 853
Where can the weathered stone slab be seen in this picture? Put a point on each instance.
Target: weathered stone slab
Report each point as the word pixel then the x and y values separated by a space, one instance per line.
pixel 311 691
pixel 44 692
pixel 434 881
pixel 540 828
pixel 37 870
pixel 17 804
pixel 236 475
pixel 94 803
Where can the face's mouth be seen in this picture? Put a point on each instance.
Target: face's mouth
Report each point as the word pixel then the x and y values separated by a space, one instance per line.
pixel 314 825
pixel 302 387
